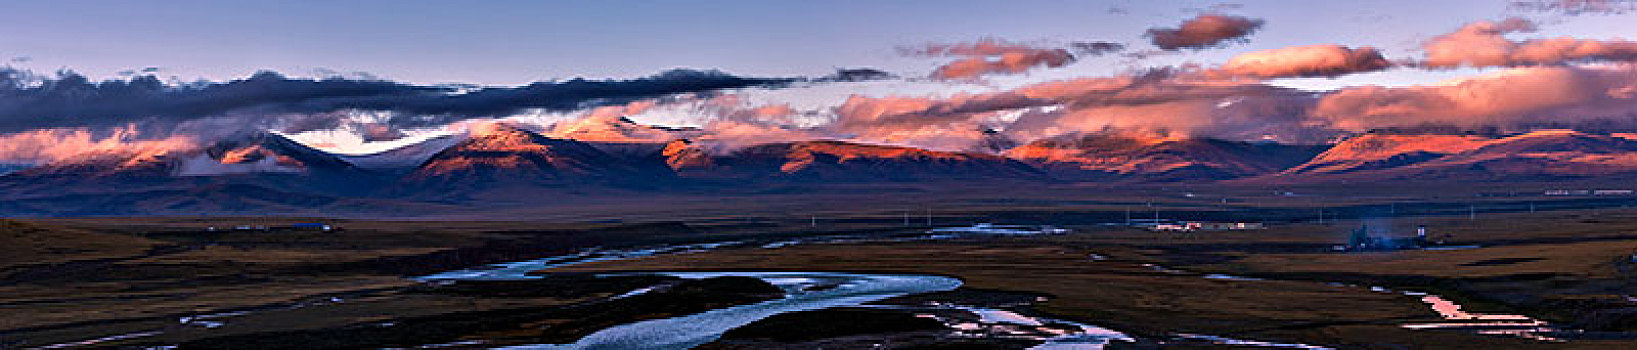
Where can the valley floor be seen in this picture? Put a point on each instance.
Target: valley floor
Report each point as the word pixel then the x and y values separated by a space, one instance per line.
pixel 166 281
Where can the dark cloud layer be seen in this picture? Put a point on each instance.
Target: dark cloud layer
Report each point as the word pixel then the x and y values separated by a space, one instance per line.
pixel 71 100
pixel 1204 31
pixel 1096 48
pixel 855 75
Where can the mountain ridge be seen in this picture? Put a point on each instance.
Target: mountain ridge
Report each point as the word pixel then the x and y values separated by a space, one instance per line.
pixel 499 163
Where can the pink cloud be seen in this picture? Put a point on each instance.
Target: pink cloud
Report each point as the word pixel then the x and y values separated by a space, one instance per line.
pixel 1518 97
pixel 1009 63
pixel 1484 44
pixel 612 124
pixel 990 56
pixel 1304 61
pixel 51 145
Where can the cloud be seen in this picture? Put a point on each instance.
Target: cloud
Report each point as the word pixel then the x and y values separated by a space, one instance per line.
pixel 1096 48
pixel 730 122
pixel 1010 63
pixel 1516 98
pixel 56 144
pixel 1174 102
pixel 1179 102
pixel 952 123
pixel 1157 101
pixel 1304 61
pixel 982 47
pixel 726 135
pixel 379 132
pixel 1483 44
pixel 46 119
pixel 1550 82
pixel 612 124
pixel 990 56
pixel 856 75
pixel 1576 7
pixel 1478 43
pixel 71 100
pixel 1204 31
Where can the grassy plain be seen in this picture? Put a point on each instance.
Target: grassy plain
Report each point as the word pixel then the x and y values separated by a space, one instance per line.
pixel 1567 261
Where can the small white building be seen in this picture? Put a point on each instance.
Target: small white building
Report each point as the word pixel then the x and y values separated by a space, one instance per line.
pixel 1172 227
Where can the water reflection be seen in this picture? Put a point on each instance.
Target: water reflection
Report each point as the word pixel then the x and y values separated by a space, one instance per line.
pixel 1493 324
pixel 1252 343
pixel 1055 334
pixel 801 295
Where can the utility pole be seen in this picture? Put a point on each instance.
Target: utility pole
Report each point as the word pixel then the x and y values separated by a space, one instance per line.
pixel 929 217
pixel 1128 216
pixel 906 219
pixel 1531 207
pixel 1321 216
pixel 814 222
pixel 1472 212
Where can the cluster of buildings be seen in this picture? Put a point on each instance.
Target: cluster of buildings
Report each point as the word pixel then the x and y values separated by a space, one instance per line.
pixel 1588 192
pixel 1363 240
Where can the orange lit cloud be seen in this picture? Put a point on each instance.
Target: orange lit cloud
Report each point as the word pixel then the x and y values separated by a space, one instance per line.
pixel 1010 63
pixel 953 123
pixel 1305 61
pixel 1557 95
pixel 1180 102
pixel 1234 110
pixel 611 124
pixel 725 135
pixel 1150 102
pixel 50 145
pixel 1483 44
pixel 991 56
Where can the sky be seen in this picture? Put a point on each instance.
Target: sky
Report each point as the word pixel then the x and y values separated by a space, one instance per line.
pixel 363 76
pixel 517 42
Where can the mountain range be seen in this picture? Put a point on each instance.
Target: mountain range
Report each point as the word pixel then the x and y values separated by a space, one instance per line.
pixel 268 172
pixel 1536 156
pixel 1112 157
